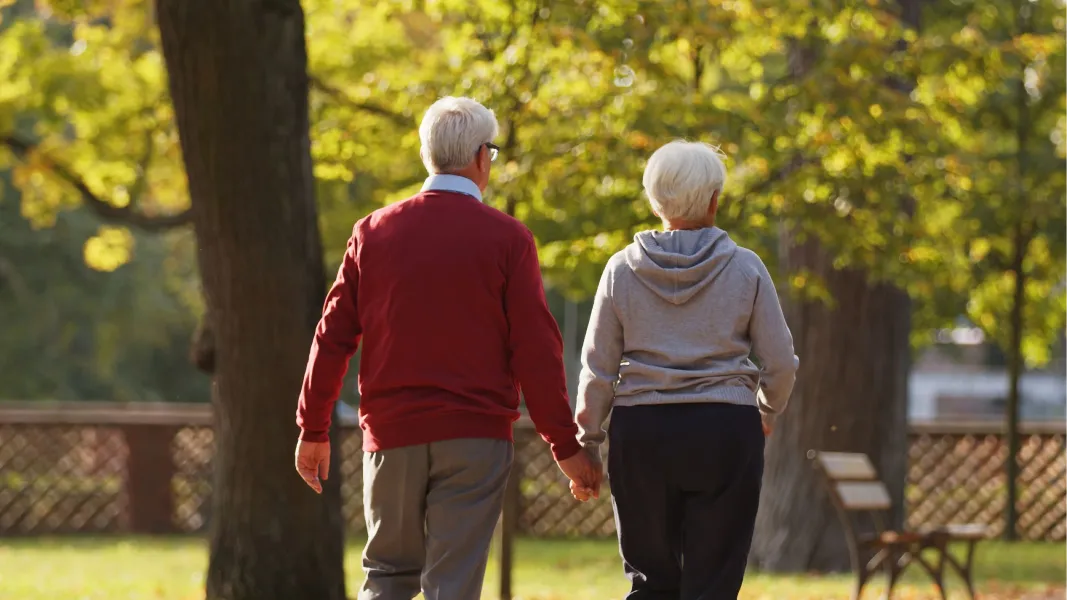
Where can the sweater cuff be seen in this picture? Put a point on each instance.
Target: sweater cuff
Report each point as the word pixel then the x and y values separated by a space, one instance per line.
pixel 565 449
pixel 314 436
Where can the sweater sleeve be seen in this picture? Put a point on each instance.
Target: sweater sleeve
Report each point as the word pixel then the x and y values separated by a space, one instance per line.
pixel 772 343
pixel 336 340
pixel 601 356
pixel 537 351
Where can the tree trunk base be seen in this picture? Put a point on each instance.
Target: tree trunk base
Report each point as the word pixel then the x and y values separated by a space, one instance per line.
pixel 851 395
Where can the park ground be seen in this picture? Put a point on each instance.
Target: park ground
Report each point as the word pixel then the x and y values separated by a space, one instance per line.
pixel 128 568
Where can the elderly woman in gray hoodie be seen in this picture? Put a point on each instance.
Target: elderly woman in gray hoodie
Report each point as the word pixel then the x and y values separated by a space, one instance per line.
pixel 677 317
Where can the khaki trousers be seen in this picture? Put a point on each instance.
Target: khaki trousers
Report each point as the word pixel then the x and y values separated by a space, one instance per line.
pixel 431 510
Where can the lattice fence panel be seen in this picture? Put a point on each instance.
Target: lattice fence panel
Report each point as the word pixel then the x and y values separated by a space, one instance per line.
pixel 547 508
pixel 352 480
pixel 61 479
pixel 959 478
pixel 1042 491
pixel 956 479
pixel 73 478
pixel 192 450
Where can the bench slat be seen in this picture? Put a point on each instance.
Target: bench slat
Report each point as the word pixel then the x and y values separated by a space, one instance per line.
pixel 842 466
pixel 863 495
pixel 962 531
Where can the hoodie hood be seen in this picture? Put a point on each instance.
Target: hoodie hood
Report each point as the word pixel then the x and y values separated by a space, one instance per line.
pixel 677 264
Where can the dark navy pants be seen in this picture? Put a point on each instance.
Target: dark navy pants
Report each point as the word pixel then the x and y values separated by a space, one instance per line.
pixel 685 484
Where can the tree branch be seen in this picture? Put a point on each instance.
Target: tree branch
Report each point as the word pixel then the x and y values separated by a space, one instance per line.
pixel 346 100
pixel 126 215
pixel 202 347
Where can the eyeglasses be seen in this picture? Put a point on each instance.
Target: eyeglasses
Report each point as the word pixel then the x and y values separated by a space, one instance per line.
pixel 493 150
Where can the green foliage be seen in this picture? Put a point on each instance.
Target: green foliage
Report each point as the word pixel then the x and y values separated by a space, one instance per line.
pixel 84 87
pixel 897 149
pixel 71 332
pixel 994 79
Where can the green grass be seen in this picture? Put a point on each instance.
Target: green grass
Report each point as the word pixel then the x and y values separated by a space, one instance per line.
pixel 172 569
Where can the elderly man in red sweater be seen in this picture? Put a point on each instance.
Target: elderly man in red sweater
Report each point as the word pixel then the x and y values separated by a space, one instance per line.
pixel 446 295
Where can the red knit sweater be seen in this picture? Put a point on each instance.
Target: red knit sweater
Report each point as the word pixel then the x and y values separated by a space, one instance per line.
pixel 446 295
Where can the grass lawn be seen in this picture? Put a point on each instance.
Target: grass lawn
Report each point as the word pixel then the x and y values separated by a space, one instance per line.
pixel 172 569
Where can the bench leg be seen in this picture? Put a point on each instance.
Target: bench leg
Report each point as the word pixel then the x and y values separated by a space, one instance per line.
pixel 857 588
pixel 862 576
pixel 864 570
pixel 937 572
pixel 965 569
pixel 893 567
pixel 968 563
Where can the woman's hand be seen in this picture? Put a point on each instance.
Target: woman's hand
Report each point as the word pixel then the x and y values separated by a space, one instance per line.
pixel 582 494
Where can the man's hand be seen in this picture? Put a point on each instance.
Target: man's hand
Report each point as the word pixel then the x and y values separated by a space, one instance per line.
pixel 313 462
pixel 766 430
pixel 585 472
pixel 582 494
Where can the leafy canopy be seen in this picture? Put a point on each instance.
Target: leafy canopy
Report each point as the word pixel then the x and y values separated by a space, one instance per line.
pixel 899 150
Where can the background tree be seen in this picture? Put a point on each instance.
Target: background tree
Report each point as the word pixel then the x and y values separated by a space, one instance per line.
pixel 238 79
pixel 75 332
pixel 86 139
pixel 996 83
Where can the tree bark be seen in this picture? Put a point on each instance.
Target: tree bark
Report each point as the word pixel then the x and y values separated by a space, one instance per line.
pixel 851 395
pixel 1015 372
pixel 238 79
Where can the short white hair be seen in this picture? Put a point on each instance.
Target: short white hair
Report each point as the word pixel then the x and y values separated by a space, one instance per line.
pixel 452 132
pixel 680 179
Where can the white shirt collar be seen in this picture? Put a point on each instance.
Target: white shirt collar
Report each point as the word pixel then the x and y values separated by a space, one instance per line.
pixel 452 183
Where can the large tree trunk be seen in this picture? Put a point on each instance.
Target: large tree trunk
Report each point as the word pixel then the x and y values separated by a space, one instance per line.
pixel 851 395
pixel 238 79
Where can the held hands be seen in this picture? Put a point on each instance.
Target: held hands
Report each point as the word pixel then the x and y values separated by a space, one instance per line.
pixel 582 494
pixel 313 462
pixel 585 472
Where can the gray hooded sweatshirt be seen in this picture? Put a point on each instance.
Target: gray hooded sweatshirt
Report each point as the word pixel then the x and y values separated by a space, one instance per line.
pixel 675 320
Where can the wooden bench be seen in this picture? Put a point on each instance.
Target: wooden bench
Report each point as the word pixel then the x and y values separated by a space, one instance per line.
pixel 854 489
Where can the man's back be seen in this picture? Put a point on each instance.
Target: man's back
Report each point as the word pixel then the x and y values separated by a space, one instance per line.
pixel 446 295
pixel 433 271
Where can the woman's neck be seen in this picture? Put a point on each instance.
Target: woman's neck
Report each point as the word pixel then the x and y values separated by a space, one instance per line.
pixel 687 225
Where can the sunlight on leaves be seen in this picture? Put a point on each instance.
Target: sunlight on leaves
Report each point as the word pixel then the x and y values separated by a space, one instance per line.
pixel 109 249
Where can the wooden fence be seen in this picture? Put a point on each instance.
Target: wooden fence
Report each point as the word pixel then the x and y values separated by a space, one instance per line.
pixel 93 468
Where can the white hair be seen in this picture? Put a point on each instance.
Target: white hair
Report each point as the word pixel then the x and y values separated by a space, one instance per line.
pixel 680 179
pixel 452 132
